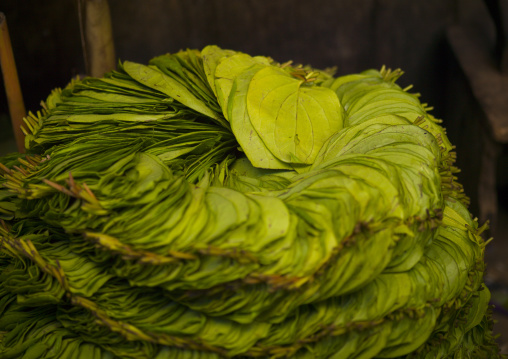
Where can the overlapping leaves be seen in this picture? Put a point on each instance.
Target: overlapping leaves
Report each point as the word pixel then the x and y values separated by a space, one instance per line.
pixel 214 204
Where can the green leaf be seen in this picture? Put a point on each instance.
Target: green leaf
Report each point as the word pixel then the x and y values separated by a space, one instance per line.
pixel 226 72
pixel 157 80
pixel 292 119
pixel 242 128
pixel 211 56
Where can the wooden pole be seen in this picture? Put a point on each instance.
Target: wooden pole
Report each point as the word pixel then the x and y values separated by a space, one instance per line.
pixel 97 37
pixel 12 88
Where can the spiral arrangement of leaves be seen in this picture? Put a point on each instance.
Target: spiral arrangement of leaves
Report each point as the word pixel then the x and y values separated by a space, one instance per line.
pixel 213 204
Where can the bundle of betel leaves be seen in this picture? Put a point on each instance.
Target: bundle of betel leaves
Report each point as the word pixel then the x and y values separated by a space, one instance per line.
pixel 214 205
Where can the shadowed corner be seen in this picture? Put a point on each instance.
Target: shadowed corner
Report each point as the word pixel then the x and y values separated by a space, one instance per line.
pixel 496 272
pixel 7 141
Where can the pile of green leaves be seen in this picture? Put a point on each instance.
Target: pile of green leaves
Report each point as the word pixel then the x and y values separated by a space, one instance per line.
pixel 214 204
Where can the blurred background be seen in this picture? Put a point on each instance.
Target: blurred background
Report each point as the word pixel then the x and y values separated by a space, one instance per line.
pixel 452 51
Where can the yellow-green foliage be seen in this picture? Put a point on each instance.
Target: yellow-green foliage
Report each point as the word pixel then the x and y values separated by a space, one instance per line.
pixel 214 204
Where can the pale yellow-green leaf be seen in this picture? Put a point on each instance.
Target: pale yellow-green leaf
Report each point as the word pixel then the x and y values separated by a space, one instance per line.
pixel 227 70
pixel 241 126
pixel 212 54
pixel 292 118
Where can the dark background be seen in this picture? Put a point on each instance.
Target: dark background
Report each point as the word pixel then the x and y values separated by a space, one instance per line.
pixel 353 35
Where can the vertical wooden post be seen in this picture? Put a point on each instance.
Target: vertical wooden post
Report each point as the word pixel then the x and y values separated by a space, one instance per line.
pixel 97 36
pixel 12 88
